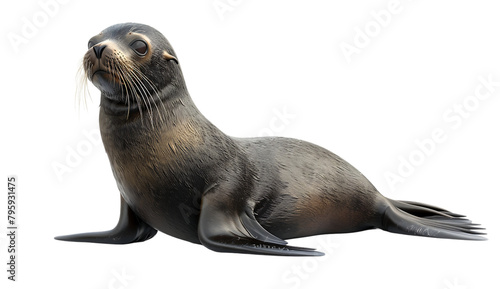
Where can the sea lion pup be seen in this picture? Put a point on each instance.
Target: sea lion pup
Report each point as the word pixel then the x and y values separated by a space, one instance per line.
pixel 178 174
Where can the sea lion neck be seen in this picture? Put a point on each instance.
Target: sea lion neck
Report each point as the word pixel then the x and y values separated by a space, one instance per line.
pixel 160 104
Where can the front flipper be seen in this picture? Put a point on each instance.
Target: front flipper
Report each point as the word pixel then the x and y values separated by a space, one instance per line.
pixel 225 230
pixel 129 229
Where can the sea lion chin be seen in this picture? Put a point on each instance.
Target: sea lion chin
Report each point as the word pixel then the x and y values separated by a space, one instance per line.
pixel 179 174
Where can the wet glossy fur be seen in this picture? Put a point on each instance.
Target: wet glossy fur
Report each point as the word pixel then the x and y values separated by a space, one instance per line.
pixel 178 174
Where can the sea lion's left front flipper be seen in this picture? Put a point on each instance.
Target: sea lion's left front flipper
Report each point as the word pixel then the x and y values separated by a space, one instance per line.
pixel 221 228
pixel 130 229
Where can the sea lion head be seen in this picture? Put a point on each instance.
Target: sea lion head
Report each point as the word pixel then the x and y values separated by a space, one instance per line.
pixel 131 64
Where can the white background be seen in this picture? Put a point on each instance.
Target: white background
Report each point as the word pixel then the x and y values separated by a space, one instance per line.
pixel 241 66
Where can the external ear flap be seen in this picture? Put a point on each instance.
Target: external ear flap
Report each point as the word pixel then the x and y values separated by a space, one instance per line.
pixel 167 56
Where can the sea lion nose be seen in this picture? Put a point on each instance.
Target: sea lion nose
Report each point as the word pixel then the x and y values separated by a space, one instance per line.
pixel 98 49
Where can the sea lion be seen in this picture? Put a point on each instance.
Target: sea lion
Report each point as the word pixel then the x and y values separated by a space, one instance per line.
pixel 178 174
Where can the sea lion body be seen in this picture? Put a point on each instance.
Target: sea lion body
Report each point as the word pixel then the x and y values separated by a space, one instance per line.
pixel 178 174
pixel 272 174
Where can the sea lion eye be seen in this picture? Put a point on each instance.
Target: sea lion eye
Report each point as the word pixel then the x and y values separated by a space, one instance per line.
pixel 140 47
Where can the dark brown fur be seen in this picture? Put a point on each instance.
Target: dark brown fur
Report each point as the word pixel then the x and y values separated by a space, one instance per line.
pixel 177 173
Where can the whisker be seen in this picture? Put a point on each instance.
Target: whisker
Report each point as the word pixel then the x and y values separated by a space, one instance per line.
pixel 135 86
pixel 82 84
pixel 155 91
pixel 144 91
pixel 123 86
pixel 130 83
pixel 145 79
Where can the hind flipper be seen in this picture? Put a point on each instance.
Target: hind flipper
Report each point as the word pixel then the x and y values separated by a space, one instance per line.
pixel 423 210
pixel 129 229
pixel 403 218
pixel 221 230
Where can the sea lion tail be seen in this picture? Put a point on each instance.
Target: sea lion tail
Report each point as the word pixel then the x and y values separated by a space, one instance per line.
pixel 412 218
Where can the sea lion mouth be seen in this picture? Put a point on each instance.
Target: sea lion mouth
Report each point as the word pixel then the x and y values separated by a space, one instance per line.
pixel 101 71
pixel 105 81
